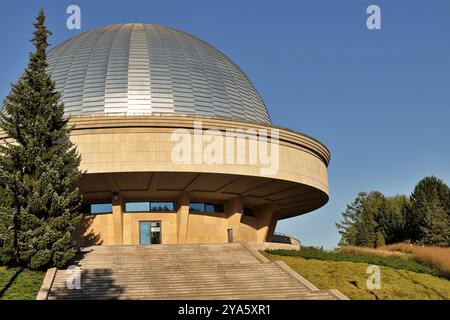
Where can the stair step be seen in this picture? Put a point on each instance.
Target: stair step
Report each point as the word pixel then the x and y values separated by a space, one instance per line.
pixel 222 271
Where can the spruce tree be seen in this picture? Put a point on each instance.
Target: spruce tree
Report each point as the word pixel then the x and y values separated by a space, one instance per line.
pixel 360 226
pixel 348 226
pixel 435 227
pixel 40 202
pixel 370 229
pixel 429 217
pixel 392 218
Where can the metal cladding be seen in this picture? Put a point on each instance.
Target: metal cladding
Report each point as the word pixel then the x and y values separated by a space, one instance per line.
pixel 151 69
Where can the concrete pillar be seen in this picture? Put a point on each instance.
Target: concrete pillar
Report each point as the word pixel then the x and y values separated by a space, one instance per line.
pixel 264 216
pixel 272 226
pixel 117 215
pixel 182 216
pixel 233 210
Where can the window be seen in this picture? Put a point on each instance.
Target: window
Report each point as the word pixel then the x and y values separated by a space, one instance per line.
pixel 196 207
pixel 209 207
pixel 248 212
pixel 161 206
pixel 205 207
pixel 154 206
pixel 97 208
pixel 137 206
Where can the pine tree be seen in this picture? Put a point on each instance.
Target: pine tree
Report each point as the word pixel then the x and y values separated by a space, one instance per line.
pixel 429 217
pixel 434 227
pixel 348 227
pixel 373 220
pixel 360 226
pixel 370 230
pixel 40 202
pixel 392 218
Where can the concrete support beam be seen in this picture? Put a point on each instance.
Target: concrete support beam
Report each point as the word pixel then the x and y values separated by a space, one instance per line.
pixel 233 210
pixel 117 211
pixel 182 216
pixel 272 226
pixel 264 215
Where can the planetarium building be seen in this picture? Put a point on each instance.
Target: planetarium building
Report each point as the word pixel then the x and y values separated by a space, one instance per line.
pixel 176 143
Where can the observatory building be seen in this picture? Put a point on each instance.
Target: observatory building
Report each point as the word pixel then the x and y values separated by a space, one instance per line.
pixel 176 143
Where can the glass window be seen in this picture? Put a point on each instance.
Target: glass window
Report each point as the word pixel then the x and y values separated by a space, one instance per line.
pixel 213 207
pixel 161 206
pixel 96 208
pixel 137 206
pixel 157 206
pixel 196 207
pixel 209 207
pixel 205 207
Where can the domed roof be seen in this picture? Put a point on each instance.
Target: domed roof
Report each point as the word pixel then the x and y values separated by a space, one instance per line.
pixel 151 69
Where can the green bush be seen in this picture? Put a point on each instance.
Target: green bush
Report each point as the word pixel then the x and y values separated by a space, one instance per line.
pixel 392 262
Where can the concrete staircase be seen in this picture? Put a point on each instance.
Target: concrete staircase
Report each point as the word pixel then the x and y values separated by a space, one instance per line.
pixel 210 271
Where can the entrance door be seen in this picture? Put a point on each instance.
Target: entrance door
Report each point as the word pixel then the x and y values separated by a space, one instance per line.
pixel 149 232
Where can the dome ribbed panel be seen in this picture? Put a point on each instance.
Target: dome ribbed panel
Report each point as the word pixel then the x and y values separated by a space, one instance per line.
pixel 145 69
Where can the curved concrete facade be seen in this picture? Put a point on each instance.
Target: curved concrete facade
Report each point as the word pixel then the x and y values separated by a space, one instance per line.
pixel 130 159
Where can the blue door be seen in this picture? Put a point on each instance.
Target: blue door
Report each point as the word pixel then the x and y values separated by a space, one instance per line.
pixel 144 232
pixel 149 232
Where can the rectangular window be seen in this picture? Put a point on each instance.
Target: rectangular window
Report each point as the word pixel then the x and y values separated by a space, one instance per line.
pixel 196 207
pixel 96 208
pixel 209 207
pixel 205 207
pixel 217 207
pixel 154 206
pixel 161 206
pixel 137 206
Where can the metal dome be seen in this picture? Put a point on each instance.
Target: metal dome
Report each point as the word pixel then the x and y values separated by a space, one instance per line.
pixel 151 69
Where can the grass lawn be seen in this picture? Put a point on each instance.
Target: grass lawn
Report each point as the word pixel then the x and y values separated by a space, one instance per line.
pixel 350 278
pixel 25 286
pixel 397 262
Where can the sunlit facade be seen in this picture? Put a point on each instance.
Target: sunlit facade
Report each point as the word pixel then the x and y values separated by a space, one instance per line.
pixel 128 88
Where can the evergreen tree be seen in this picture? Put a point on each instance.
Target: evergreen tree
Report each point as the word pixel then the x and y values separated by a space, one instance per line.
pixel 360 226
pixel 392 218
pixel 40 202
pixel 370 229
pixel 435 227
pixel 373 220
pixel 429 217
pixel 348 227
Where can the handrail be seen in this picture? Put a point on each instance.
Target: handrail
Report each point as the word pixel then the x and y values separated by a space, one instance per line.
pixel 278 234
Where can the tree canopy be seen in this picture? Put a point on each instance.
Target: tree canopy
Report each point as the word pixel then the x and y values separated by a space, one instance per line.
pixel 373 219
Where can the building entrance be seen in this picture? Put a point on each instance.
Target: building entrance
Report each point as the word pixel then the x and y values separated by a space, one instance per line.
pixel 149 232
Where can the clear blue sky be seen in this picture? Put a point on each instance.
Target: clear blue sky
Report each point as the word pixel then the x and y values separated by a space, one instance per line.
pixel 380 100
